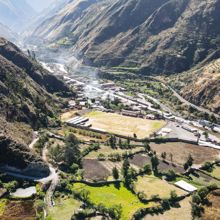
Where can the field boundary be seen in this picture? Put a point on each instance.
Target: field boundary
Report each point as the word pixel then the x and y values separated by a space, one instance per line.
pixel 156 140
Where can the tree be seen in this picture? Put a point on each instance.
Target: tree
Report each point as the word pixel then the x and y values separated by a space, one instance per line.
pixel 164 155
pixel 115 211
pixel 135 136
pixel 206 134
pixel 154 163
pixel 56 153
pixel 84 194
pixel 115 173
pixel 173 196
pixel 72 153
pixel 196 199
pixel 147 146
pixel 196 210
pixel 120 143
pixel 189 162
pixel 39 206
pixel 171 175
pixel 171 157
pixel 203 192
pixel 112 142
pixel 125 167
pixel 147 169
pixel 208 166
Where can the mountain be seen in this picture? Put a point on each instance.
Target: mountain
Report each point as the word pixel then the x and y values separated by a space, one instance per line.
pixel 15 13
pixel 7 33
pixel 29 99
pixel 159 36
pixel 200 85
pixel 40 5
pixel 47 13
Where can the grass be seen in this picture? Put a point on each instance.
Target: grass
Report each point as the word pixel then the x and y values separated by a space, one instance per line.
pixel 107 150
pixel 3 203
pixel 64 209
pixel 152 185
pixel 216 172
pixel 124 125
pixel 110 196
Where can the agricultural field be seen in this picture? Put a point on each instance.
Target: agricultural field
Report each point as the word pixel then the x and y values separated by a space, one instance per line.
pixel 181 151
pixel 10 210
pixel 213 211
pixel 110 196
pixel 67 115
pixel 64 209
pixel 94 170
pixel 215 172
pixel 181 213
pixel 201 179
pixel 124 125
pixel 140 160
pixel 152 185
pixel 80 134
pixel 107 150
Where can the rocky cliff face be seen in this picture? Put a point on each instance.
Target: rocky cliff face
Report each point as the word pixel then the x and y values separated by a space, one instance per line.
pixel 28 99
pixel 160 36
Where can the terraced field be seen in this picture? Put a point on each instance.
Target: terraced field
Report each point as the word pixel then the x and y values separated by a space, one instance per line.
pixel 110 196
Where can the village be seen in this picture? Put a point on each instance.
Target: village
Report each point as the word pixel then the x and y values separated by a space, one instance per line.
pixel 114 155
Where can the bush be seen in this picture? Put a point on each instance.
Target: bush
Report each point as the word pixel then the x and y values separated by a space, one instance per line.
pixel 208 167
pixel 101 157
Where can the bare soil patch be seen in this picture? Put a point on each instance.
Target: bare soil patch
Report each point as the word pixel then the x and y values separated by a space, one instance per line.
pixel 140 160
pixel 94 170
pixel 181 151
pixel 19 210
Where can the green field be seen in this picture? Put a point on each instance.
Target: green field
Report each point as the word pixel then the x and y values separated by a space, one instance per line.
pixel 64 209
pixel 110 196
pixel 3 203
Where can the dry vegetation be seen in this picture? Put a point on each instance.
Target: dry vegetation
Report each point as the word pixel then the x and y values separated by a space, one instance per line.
pixel 213 211
pixel 124 125
pixel 181 213
pixel 152 185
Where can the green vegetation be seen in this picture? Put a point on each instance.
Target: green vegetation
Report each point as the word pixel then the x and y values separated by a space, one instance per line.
pixel 64 209
pixel 3 203
pixel 110 196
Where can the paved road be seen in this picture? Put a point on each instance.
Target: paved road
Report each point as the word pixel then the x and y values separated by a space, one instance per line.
pixel 199 108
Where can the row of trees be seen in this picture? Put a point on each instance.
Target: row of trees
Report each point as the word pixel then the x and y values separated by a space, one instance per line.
pixel 69 154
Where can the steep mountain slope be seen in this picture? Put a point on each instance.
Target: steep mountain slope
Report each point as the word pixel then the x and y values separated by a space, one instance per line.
pixel 7 33
pixel 200 85
pixel 27 101
pixel 15 14
pixel 46 14
pixel 160 36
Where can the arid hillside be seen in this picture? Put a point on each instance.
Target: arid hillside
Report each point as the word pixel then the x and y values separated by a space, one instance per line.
pixel 159 36
pixel 200 85
pixel 29 99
